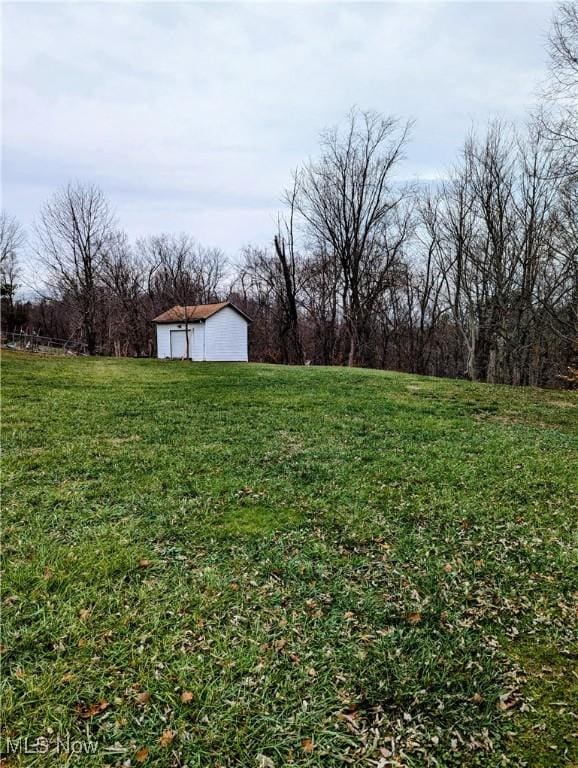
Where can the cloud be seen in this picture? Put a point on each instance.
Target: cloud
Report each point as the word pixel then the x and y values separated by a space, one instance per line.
pixel 193 115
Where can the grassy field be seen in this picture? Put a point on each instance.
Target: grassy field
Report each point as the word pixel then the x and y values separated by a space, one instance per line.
pixel 248 565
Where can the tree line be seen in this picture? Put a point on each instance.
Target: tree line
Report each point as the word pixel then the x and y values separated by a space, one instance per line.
pixel 475 276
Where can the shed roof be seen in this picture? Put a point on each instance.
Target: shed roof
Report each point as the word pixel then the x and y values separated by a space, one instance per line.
pixel 192 314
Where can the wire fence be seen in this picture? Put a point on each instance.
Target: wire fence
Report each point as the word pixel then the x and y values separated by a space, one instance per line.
pixel 45 345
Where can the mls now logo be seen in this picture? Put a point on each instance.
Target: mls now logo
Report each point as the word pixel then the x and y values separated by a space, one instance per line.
pixel 64 744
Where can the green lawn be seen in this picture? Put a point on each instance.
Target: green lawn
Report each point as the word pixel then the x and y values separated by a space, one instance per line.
pixel 246 565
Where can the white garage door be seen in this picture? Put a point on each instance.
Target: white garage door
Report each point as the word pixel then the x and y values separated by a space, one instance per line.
pixel 179 344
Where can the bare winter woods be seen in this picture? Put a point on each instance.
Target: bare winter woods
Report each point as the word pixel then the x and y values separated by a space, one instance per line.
pixel 475 275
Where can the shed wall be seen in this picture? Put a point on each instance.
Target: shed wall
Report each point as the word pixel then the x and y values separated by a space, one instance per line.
pixel 164 339
pixel 226 337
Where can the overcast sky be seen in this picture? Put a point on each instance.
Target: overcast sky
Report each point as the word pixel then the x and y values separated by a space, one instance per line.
pixel 191 116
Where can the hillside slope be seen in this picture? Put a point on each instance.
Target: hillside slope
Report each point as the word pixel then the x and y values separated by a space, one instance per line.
pixel 244 565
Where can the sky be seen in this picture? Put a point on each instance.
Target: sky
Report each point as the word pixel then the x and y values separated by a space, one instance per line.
pixel 192 116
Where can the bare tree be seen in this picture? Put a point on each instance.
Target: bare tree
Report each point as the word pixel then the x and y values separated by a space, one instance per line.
pixel 321 278
pixel 536 196
pixel 426 281
pixel 208 266
pixel 504 256
pixel 262 282
pixel 557 291
pixel 284 243
pixel 74 233
pixel 351 205
pixel 456 223
pixel 12 239
pixel 124 276
pixel 559 117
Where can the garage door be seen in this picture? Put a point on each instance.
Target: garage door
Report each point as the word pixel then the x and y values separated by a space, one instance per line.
pixel 179 344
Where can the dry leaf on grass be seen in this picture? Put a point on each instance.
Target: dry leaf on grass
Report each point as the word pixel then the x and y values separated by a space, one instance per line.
pixel 142 755
pixel 144 563
pixel 507 701
pixel 186 697
pixel 167 738
pixel 90 710
pixel 143 698
pixel 307 746
pixel 414 617
pixel 350 719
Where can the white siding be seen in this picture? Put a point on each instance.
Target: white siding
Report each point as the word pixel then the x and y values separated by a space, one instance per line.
pixel 197 331
pixel 179 343
pixel 163 341
pixel 226 336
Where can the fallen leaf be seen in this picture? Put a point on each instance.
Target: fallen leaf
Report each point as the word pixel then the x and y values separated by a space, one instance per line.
pixel 477 699
pixel 167 738
pixel 142 755
pixel 507 701
pixel 186 697
pixel 84 614
pixel 280 644
pixel 350 718
pixel 90 710
pixel 448 568
pixel 144 563
pixel 307 745
pixel 414 618
pixel 311 672
pixel 143 698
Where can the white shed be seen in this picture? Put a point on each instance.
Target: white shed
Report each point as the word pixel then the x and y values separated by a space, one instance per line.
pixel 217 332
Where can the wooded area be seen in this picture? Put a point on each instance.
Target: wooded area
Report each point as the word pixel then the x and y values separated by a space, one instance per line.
pixel 474 276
